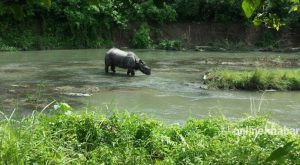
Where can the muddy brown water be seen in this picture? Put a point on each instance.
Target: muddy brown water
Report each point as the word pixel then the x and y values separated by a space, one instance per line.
pixel 32 79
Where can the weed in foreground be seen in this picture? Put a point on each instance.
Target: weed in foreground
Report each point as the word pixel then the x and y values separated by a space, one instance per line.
pixel 123 138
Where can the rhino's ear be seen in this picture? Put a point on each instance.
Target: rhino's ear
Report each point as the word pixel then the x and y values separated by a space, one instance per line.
pixel 141 62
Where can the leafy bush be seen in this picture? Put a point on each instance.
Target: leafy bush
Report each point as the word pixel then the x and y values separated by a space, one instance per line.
pixel 4 47
pixel 129 139
pixel 210 11
pixel 272 14
pixel 76 23
pixel 268 39
pixel 158 13
pixel 141 37
pixel 170 44
pixel 19 38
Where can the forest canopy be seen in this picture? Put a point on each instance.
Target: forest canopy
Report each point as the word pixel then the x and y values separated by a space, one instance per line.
pixel 89 23
pixel 165 10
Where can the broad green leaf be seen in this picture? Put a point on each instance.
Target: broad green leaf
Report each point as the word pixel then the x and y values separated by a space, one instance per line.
pixel 62 106
pixel 280 152
pixel 293 8
pixel 94 8
pixel 249 6
pixel 65 106
pixel 256 21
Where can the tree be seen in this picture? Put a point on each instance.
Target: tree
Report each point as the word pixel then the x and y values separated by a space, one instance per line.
pixel 272 13
pixel 16 7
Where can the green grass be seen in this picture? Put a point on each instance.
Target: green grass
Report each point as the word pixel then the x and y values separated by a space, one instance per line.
pixel 123 138
pixel 259 79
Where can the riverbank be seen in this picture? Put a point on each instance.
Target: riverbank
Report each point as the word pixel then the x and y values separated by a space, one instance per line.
pixel 90 138
pixel 259 79
pixel 175 36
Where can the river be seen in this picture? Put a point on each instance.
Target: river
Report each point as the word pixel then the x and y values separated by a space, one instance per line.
pixel 172 93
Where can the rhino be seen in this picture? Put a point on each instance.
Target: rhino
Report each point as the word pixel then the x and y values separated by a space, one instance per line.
pixel 127 60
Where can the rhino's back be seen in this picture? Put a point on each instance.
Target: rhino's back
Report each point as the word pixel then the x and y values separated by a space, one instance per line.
pixel 119 58
pixel 116 52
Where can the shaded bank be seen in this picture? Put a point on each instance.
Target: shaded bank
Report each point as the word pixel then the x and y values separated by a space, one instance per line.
pixel 174 36
pixel 229 36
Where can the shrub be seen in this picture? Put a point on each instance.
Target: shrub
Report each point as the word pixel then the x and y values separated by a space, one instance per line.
pixel 170 44
pixel 268 39
pixel 141 37
pixel 158 14
pixel 4 47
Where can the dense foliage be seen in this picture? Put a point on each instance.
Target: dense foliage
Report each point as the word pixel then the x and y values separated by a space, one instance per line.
pixel 74 23
pixel 66 138
pixel 44 24
pixel 170 45
pixel 141 37
pixel 225 11
pixel 273 13
pixel 260 79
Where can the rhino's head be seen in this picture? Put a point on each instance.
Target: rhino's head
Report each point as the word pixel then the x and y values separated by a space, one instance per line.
pixel 144 68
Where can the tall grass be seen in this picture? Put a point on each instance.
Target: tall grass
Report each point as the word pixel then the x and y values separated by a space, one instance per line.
pixel 259 79
pixel 123 138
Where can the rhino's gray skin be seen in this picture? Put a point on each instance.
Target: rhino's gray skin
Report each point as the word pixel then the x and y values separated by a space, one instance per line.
pixel 127 60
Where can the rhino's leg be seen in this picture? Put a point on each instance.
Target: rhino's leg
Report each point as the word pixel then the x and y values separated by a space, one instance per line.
pixel 113 68
pixel 132 72
pixel 128 72
pixel 106 68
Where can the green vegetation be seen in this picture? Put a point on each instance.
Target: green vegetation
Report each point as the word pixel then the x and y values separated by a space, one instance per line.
pixel 4 47
pixel 224 45
pixel 75 23
pixel 141 38
pixel 170 45
pixel 260 79
pixel 273 13
pixel 67 138
pixel 268 39
pixel 226 11
pixel 55 24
